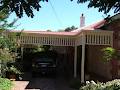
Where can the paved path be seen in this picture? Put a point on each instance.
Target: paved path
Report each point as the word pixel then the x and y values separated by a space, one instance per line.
pixel 42 84
pixel 20 85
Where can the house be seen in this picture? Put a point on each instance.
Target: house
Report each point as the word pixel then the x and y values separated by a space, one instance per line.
pixel 79 49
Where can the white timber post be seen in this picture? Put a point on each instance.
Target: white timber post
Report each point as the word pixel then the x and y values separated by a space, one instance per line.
pixel 22 52
pixel 83 59
pixel 75 61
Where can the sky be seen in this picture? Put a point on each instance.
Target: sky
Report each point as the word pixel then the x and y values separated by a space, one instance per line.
pixel 58 15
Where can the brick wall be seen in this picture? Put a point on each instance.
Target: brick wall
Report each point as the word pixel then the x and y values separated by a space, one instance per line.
pixel 115 27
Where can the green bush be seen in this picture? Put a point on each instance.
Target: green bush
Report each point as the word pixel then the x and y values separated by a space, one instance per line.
pixel 5 84
pixel 108 53
pixel 110 85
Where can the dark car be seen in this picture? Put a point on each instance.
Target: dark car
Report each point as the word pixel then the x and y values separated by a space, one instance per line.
pixel 44 65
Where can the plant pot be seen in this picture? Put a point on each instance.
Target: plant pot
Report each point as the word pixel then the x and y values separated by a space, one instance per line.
pixel 12 77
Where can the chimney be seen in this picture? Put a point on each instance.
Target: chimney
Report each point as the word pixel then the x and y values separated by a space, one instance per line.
pixel 82 20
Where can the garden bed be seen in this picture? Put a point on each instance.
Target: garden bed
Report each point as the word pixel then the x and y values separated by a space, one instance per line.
pixel 5 84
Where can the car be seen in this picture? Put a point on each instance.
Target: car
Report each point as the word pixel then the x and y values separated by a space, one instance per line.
pixel 43 65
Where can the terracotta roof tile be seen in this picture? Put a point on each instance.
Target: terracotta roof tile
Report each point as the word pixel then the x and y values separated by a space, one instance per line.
pixel 93 26
pixel 49 33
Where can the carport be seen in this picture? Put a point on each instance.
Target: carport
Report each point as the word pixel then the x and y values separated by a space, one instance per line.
pixel 81 38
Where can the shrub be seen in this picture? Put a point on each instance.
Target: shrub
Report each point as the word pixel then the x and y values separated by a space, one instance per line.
pixel 110 85
pixel 109 53
pixel 5 84
pixel 13 70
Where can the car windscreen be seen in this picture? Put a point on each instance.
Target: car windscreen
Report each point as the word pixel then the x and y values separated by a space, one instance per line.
pixel 45 60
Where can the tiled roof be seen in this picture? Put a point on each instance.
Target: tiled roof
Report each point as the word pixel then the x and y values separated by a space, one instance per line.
pixel 97 24
pixel 49 33
pixel 93 26
pixel 72 33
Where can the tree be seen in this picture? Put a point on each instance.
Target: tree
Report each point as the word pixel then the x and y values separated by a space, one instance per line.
pixel 7 46
pixel 68 29
pixel 4 27
pixel 21 6
pixel 103 5
pixel 49 30
pixel 27 6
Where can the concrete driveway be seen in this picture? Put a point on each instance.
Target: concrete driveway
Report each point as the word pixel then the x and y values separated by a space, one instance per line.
pixel 42 83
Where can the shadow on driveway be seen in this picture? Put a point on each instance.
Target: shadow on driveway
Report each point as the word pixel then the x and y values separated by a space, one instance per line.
pixel 48 84
pixel 42 83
